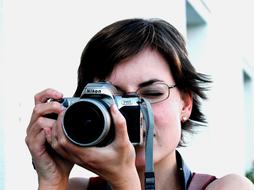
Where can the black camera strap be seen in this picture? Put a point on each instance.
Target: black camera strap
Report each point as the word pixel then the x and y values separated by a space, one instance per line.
pixel 149 167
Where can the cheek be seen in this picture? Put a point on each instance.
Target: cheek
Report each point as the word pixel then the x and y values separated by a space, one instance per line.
pixel 167 122
pixel 166 113
pixel 167 129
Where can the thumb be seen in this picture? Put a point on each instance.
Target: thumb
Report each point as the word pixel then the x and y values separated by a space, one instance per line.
pixel 119 121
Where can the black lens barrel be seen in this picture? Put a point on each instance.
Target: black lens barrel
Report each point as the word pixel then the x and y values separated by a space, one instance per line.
pixel 88 123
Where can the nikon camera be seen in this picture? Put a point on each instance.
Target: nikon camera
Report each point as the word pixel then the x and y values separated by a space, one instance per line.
pixel 87 120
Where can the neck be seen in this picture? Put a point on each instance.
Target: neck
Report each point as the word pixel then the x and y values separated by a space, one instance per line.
pixel 165 174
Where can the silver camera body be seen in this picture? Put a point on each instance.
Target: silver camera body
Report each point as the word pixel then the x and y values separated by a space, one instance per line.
pixel 87 120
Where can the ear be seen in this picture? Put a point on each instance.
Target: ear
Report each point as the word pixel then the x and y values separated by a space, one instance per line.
pixel 187 106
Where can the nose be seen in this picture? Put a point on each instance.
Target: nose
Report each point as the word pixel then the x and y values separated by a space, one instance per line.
pixel 130 94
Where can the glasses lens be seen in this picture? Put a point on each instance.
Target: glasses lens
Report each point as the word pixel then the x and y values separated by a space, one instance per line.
pixel 154 93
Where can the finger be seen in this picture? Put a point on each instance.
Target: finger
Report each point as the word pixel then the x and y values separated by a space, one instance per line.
pixel 44 95
pixel 121 133
pixel 36 139
pixel 67 149
pixel 58 129
pixel 57 132
pixel 36 144
pixel 40 110
pixel 48 133
pixel 38 125
pixel 56 137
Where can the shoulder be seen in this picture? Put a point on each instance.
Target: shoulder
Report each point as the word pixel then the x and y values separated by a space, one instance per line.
pixel 78 183
pixel 231 182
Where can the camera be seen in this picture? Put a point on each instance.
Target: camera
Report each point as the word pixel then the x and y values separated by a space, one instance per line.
pixel 87 120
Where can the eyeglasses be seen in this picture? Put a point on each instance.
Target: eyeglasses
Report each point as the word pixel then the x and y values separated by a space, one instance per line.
pixel 154 93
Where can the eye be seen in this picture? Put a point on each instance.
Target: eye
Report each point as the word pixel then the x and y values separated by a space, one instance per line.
pixel 151 93
pixel 155 92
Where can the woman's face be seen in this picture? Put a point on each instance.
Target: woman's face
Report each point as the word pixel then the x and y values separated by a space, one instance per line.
pixel 149 65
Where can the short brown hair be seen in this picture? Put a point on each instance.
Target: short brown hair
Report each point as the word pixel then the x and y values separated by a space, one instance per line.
pixel 124 39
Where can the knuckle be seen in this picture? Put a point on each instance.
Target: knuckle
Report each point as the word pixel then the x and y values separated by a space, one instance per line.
pixel 121 121
pixel 40 122
pixel 37 96
pixel 27 130
pixel 36 110
pixel 89 159
pixel 30 144
pixel 27 141
pixel 55 145
pixel 124 145
pixel 63 142
pixel 49 91
pixel 42 96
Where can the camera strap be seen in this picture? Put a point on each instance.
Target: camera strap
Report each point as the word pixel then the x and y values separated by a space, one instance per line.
pixel 149 167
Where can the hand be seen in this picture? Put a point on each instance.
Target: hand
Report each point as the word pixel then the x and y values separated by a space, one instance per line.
pixel 53 171
pixel 114 162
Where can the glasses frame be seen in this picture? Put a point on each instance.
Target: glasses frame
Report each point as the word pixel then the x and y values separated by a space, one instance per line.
pixel 137 91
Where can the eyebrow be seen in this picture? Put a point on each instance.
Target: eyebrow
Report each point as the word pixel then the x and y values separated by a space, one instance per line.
pixel 143 84
pixel 149 82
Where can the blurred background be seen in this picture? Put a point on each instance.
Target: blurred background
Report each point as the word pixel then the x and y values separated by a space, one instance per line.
pixel 40 47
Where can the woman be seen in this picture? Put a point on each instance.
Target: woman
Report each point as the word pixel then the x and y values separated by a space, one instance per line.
pixel 147 57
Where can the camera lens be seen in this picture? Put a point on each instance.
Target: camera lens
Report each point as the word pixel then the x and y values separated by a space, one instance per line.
pixel 87 123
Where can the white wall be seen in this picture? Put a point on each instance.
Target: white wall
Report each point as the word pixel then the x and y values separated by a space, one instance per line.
pixel 219 49
pixel 1 100
pixel 44 41
pixel 221 145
